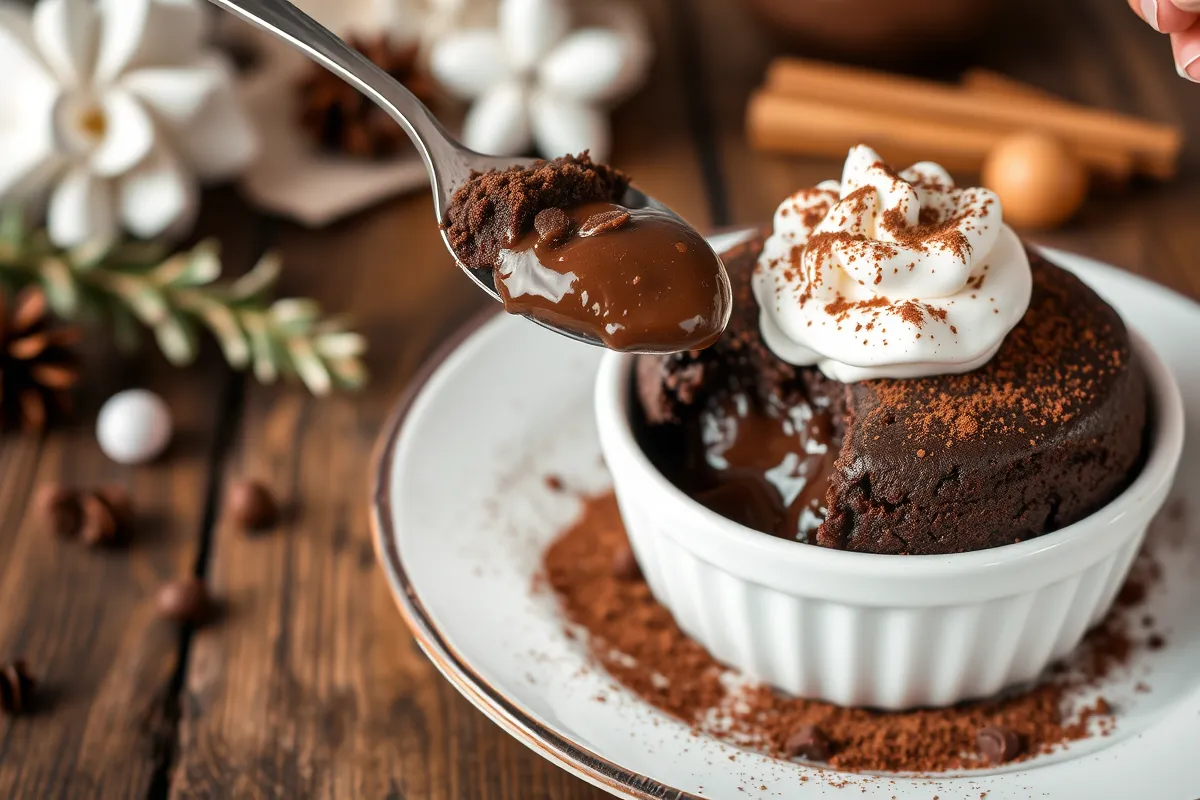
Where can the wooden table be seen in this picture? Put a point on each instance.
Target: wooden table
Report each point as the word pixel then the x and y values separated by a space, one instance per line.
pixel 310 685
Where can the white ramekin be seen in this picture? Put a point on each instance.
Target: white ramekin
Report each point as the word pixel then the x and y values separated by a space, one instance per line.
pixel 882 631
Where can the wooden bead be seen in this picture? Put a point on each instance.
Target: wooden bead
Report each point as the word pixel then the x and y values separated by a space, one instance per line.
pixel 1041 183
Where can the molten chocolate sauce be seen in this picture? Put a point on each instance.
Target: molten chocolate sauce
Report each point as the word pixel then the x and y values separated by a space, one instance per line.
pixel 639 280
pixel 767 468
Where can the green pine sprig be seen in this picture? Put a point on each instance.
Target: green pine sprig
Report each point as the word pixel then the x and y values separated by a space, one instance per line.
pixel 140 285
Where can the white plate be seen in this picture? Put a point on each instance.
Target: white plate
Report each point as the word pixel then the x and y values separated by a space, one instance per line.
pixel 461 514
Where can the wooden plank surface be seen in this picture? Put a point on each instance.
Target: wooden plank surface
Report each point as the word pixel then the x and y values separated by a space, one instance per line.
pixel 84 619
pixel 310 686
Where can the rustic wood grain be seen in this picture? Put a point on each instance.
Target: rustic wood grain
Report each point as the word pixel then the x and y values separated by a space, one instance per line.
pixel 310 686
pixel 85 618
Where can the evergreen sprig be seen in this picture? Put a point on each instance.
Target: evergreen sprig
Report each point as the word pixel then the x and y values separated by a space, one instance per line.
pixel 137 285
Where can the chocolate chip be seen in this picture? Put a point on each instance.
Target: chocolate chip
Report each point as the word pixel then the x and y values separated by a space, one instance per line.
pixel 99 523
pixel 16 687
pixel 604 221
pixel 997 744
pixel 252 505
pixel 807 741
pixel 552 225
pixel 184 600
pixel 625 565
pixel 554 483
pixel 1156 642
pixel 58 509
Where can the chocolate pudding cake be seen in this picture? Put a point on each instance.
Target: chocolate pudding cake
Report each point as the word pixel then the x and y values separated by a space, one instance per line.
pixel 562 249
pixel 1047 429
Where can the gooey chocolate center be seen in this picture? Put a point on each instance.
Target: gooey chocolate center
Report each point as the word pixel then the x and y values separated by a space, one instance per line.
pixel 639 280
pixel 767 468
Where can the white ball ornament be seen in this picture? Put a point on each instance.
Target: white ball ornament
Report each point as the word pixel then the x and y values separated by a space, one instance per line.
pixel 134 426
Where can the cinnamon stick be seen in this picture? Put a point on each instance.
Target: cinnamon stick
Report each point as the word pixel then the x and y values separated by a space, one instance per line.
pixel 996 84
pixel 1154 148
pixel 811 127
pixel 1114 166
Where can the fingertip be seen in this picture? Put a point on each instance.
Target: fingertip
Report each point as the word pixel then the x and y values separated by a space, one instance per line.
pixel 1185 47
pixel 1169 17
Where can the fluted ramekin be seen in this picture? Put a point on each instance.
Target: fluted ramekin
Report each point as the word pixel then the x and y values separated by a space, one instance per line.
pixel 882 631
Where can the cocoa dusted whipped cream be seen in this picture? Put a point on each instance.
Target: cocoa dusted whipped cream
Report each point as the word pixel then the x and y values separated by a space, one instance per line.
pixel 890 274
pixel 564 251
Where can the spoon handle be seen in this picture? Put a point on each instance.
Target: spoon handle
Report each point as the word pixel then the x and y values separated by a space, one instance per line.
pixel 445 160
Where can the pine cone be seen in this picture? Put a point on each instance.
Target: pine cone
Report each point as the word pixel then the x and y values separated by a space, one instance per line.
pixel 339 119
pixel 37 362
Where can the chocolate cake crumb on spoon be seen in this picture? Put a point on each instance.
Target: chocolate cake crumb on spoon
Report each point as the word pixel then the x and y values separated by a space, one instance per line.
pixel 606 264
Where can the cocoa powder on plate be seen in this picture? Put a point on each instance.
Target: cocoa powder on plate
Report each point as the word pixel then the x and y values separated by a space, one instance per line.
pixel 637 641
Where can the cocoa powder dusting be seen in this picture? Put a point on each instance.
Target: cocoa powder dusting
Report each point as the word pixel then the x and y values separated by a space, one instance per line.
pixel 910 312
pixel 932 230
pixel 639 644
pixel 1029 385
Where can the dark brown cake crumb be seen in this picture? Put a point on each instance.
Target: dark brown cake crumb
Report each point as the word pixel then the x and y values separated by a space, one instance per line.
pixel 639 644
pixel 552 225
pixel 494 209
pixel 604 222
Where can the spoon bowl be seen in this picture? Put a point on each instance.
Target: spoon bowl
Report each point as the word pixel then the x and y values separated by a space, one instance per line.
pixel 447 161
pixel 485 277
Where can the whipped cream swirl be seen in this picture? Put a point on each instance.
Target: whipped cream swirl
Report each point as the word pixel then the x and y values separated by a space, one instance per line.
pixel 890 275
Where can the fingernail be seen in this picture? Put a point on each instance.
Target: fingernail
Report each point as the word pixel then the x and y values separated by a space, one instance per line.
pixel 1187 60
pixel 1150 13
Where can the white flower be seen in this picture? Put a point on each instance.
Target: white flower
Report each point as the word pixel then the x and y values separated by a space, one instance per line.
pixel 111 110
pixel 534 80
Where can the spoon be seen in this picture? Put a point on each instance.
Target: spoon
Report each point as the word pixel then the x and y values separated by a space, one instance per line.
pixel 448 162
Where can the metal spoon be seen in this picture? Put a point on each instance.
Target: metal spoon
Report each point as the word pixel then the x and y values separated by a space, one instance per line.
pixel 449 163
